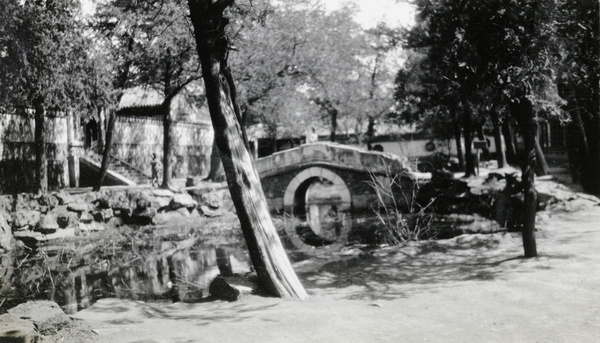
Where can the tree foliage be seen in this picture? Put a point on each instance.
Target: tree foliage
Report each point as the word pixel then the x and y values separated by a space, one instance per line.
pixel 500 57
pixel 43 54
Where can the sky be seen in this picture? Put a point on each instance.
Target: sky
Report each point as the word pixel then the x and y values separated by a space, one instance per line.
pixel 392 12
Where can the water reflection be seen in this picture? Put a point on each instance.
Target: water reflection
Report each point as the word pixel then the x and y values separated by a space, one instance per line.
pixel 320 220
pixel 75 276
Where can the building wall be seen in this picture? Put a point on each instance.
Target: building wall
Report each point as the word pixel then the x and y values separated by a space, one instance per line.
pixel 136 138
pixel 17 152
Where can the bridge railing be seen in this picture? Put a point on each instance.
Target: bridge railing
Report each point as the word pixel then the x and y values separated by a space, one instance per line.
pixel 331 154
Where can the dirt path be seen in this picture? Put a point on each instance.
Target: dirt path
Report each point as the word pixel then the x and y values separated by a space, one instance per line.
pixel 472 288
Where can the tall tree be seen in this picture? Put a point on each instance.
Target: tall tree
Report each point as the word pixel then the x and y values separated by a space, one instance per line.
pixel 156 52
pixel 500 50
pixel 40 52
pixel 579 29
pixel 268 257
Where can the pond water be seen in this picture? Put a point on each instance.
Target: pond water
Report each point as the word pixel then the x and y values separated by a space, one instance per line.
pixel 144 267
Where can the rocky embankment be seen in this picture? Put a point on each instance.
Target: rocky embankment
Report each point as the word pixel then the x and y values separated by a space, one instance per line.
pixel 32 219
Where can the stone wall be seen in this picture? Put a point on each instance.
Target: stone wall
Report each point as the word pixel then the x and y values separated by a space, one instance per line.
pixel 136 138
pixel 17 152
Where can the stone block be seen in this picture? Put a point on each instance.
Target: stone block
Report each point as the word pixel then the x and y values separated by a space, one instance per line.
pixel 45 315
pixel 86 218
pixel 63 198
pixel 78 207
pixel 221 289
pixel 25 219
pixel 103 215
pixel 212 199
pixel 183 200
pixel 210 212
pixel 16 330
pixel 47 224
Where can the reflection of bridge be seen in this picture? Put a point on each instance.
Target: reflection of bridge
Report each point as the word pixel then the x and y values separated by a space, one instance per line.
pixel 287 175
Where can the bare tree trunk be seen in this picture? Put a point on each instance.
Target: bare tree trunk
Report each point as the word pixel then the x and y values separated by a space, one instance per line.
pixel 591 124
pixel 268 257
pixel 107 147
pixel 511 149
pixel 523 111
pixel 41 160
pixel 541 166
pixel 468 131
pixel 334 115
pixel 500 156
pixel 167 145
pixel 578 149
pixel 101 128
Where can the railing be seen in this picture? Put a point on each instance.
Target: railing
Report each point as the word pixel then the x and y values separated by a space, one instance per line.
pixel 333 154
pixel 94 149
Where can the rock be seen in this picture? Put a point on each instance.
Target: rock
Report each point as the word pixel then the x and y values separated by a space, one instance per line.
pixel 86 217
pixel 220 289
pixel 191 181
pixel 195 213
pixel 183 200
pixel 6 237
pixel 45 315
pixel 211 213
pixel 142 216
pixel 162 193
pixel 78 207
pixel 163 218
pixel 66 219
pixel 48 200
pixel 160 202
pixel 115 222
pixel 17 330
pixel 25 219
pixel 90 227
pixel 103 215
pixel 47 224
pixel 63 198
pixel 212 199
pixel 143 203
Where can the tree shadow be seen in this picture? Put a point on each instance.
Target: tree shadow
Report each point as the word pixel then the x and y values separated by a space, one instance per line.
pixel 133 312
pixel 405 271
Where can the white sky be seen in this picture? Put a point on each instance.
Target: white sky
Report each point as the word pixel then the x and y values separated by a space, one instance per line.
pixel 392 12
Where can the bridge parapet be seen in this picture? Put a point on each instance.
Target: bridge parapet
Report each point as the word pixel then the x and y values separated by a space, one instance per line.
pixel 331 154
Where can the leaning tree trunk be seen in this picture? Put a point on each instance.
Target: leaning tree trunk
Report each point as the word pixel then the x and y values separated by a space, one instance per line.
pixel 268 257
pixel 216 172
pixel 106 153
pixel 41 160
pixel 523 111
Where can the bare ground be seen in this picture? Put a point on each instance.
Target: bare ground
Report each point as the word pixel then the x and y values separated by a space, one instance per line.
pixel 472 288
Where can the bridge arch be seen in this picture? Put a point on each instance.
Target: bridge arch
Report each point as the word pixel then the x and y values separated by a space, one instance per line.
pixel 294 197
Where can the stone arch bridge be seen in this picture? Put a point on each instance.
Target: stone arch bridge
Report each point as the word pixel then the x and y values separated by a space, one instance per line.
pixel 287 175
